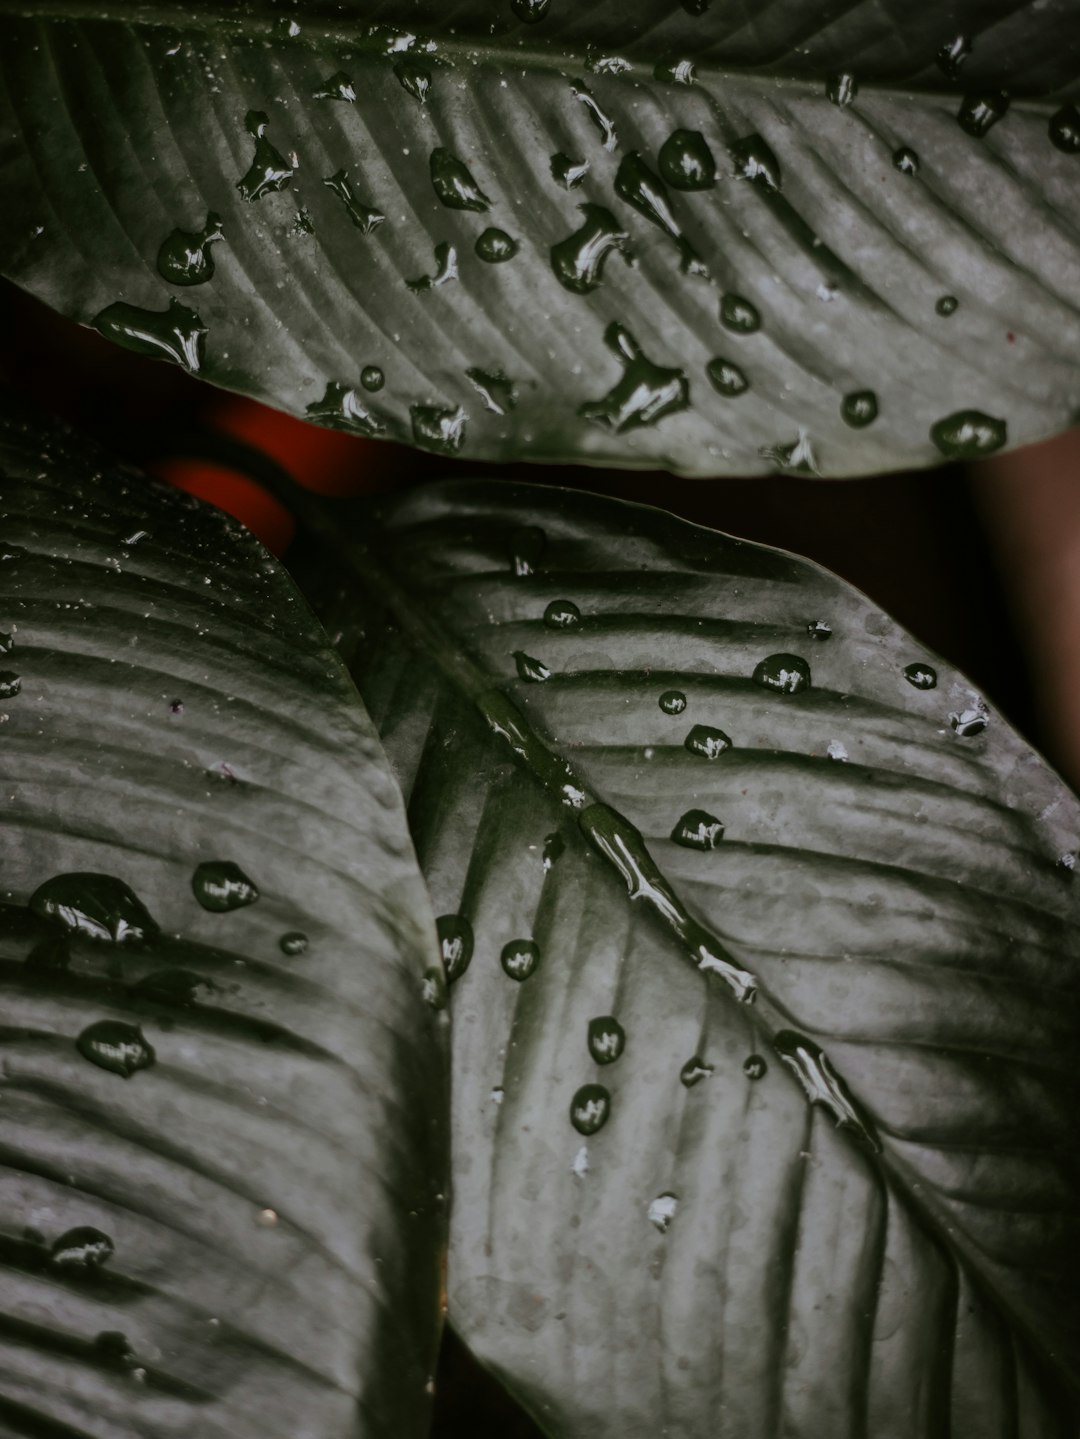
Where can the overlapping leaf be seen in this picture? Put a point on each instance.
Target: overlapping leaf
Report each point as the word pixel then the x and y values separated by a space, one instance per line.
pixel 718 238
pixel 849 1206
pixel 221 1113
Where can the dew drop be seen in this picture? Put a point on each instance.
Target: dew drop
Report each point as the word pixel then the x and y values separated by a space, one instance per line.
pixel 372 378
pixel 645 393
pixel 971 721
pixel 446 269
pixel 120 1048
pixel 675 72
pixel 947 305
pixel 796 455
pixel 607 1039
pixel 456 942
pixel 672 702
pixel 786 674
pixel 94 906
pixel 859 409
pixel 10 684
pixel 454 184
pixel 266 1218
pixel 221 886
pixel 532 670
pixel 175 333
pixel 819 630
pixel 698 830
pixel 519 958
pixel 343 408
pixel 293 943
pixel 554 849
pixel 435 427
pixel 686 162
pixel 1067 861
pixel 739 314
pixel 578 261
pixel 906 160
pixel 496 246
pixel 590 1108
pixel 695 7
pixel 662 1211
pixel 7 643
pixel 754 160
pixel 495 388
pixel 842 88
pixel 83 1249
pixel 269 169
pixel 433 988
pixel 604 125
pixel 580 1166
pixel 922 676
pixel 185 257
pixel 172 987
pixel 527 546
pixel 607 64
pixel 567 172
pixel 530 11
pixel 727 378
pixel 967 434
pixel 414 78
pixel 694 1071
pixel 754 1066
pixel 1064 129
pixel 707 741
pixel 562 615
pixel 952 55
pixel 338 86
pixel 365 217
pixel 303 224
pixel 980 110
pixel 821 1083
pixel 638 186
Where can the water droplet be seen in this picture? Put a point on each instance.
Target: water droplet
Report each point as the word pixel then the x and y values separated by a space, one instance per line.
pixel 293 943
pixel 372 378
pixel 695 7
pixel 675 72
pixel 94 906
pixel 821 1083
pixel 530 11
pixel 605 126
pixel 981 109
pixel 175 333
pixel 494 388
pixel 338 86
pixel 527 546
pixel 172 987
pixel 519 958
pixel 694 1071
pixel 590 1108
pixel 819 630
pixel 662 1211
pixel 754 160
pixel 437 428
pixel 554 849
pixel 707 741
pixel 433 988
pixel 303 224
pixel 266 1218
pixel 607 1039
pixel 10 684
pixel 578 261
pixel 221 886
pixel 456 941
pixel 120 1048
pixel 534 671
pixel 638 186
pixel 562 615
pixel 796 455
pixel 185 257
pixel 739 314
pixel 496 246
pixel 83 1249
pixel 952 55
pixel 686 162
pixel 453 183
pixel 971 721
pixel 607 64
pixel 580 1166
pixel 7 643
pixel 754 1066
pixel 645 393
pixel 922 676
pixel 446 269
pixel 727 378
pixel 837 751
pixel 842 88
pixel 947 305
pixel 1064 129
pixel 414 78
pixel 698 830
pixel 672 702
pixel 906 160
pixel 786 674
pixel 859 409
pixel 364 217
pixel 968 433
pixel 343 408
pixel 498 1095
pixel 269 169
pixel 566 172
pixel 1067 861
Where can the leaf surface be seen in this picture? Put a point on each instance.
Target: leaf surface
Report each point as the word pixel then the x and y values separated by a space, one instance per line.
pixel 763 935
pixel 749 238
pixel 222 1109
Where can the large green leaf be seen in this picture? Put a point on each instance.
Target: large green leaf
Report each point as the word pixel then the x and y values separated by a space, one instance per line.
pixel 710 832
pixel 259 192
pixel 221 1114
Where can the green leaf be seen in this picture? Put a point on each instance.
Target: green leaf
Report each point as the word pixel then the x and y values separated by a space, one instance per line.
pixel 720 239
pixel 765 1002
pixel 222 1109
